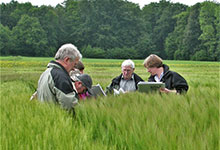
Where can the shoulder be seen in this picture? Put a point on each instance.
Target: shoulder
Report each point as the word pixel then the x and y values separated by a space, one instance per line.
pixel 176 77
pixel 118 78
pixel 137 77
pixel 61 79
pixel 59 73
pixel 173 73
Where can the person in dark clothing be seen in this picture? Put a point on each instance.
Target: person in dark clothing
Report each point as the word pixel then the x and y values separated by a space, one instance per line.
pixel 127 81
pixel 174 82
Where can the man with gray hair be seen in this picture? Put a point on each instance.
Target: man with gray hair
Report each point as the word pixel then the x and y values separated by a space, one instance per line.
pixel 55 84
pixel 127 80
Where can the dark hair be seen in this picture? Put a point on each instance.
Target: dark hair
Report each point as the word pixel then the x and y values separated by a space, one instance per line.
pixel 80 66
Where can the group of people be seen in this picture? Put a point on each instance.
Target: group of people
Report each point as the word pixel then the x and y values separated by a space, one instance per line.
pixel 64 81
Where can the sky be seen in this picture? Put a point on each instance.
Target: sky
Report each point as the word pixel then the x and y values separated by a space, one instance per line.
pixel 141 3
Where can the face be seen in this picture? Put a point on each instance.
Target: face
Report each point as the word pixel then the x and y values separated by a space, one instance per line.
pixel 71 64
pixel 152 70
pixel 127 72
pixel 80 88
pixel 81 71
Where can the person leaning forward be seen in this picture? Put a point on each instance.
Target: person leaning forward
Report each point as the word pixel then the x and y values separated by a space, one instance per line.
pixel 55 83
pixel 82 84
pixel 174 82
pixel 127 80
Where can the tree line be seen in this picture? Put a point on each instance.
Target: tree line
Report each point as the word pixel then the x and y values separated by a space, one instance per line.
pixel 112 29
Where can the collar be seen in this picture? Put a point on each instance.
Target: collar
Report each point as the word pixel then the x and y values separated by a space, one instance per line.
pixel 58 64
pixel 132 77
pixel 158 78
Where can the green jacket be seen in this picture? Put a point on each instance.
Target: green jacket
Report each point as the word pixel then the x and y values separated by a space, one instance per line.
pixel 55 85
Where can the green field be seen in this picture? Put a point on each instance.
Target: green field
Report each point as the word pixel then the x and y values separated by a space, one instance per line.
pixel 133 121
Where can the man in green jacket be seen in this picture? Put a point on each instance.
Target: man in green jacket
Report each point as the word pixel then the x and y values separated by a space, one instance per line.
pixel 55 84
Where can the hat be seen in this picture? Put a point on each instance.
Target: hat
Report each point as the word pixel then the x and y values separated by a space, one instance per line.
pixel 86 80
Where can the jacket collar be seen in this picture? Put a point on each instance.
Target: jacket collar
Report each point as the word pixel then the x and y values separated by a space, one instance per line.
pixel 54 64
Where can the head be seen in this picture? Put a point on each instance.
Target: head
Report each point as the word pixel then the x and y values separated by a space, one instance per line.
pixel 68 56
pixel 83 83
pixel 153 63
pixel 80 67
pixel 127 68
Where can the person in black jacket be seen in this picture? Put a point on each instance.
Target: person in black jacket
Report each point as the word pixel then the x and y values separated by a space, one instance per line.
pixel 127 80
pixel 174 82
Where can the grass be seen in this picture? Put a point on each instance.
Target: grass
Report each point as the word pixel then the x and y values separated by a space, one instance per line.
pixel 128 121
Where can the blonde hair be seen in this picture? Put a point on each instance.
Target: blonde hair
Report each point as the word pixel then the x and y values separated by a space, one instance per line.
pixel 153 61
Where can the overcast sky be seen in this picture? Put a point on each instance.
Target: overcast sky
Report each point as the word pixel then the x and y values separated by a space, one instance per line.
pixel 140 2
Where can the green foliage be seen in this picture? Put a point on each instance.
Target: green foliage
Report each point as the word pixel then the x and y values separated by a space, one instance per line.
pixel 28 37
pixel 6 44
pixel 208 36
pixel 217 24
pixel 122 53
pixel 174 40
pixel 170 30
pixel 6 10
pixel 48 20
pixel 200 55
pixel 128 121
pixel 191 42
pixel 90 52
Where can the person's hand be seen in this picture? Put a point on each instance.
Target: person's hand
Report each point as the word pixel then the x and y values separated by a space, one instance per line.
pixel 165 90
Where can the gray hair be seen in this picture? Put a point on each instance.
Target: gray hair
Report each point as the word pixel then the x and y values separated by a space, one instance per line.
pixel 68 50
pixel 128 62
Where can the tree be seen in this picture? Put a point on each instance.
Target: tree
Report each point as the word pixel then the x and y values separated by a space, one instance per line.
pixel 110 23
pixel 174 41
pixel 29 38
pixel 90 52
pixel 6 45
pixel 191 40
pixel 144 46
pixel 73 27
pixel 5 16
pixel 62 34
pixel 48 20
pixel 21 9
pixel 122 53
pixel 160 22
pixel 208 27
pixel 217 24
pixel 150 15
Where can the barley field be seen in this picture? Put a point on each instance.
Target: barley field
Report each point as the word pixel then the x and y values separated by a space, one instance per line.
pixel 131 121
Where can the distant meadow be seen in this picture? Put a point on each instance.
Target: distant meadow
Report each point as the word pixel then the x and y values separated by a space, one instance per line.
pixel 132 121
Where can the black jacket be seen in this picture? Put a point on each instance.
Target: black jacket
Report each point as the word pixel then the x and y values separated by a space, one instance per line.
pixel 116 83
pixel 172 80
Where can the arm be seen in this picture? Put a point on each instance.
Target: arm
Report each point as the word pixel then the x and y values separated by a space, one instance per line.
pixel 63 90
pixel 165 90
pixel 179 83
pixel 66 100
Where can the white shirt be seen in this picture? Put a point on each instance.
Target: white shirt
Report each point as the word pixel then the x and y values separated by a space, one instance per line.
pixel 128 85
pixel 157 79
